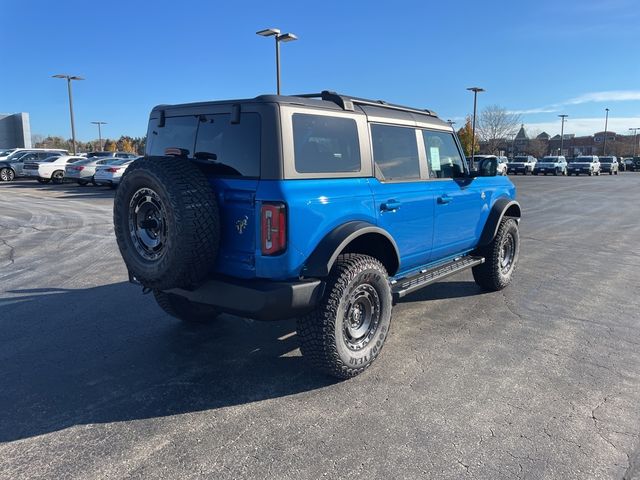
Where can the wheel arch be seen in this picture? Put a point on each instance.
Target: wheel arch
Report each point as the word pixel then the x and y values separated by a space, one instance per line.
pixel 503 207
pixel 353 237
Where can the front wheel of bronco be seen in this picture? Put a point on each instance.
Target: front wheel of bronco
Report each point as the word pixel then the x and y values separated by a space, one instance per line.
pixel 185 310
pixel 500 257
pixel 346 331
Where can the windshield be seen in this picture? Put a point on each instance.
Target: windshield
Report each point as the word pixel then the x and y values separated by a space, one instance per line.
pixel 7 151
pixel 521 159
pixel 101 154
pixel 550 159
pixel 606 159
pixel 17 155
pixel 583 160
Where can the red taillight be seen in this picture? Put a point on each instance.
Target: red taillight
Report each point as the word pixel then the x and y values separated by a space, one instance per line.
pixel 274 228
pixel 79 168
pixel 112 170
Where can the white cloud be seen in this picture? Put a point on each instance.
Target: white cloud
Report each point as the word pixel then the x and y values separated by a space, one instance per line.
pixel 550 109
pixel 592 97
pixel 610 96
pixel 586 126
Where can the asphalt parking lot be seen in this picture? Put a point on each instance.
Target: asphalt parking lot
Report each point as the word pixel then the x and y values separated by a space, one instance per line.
pixel 541 380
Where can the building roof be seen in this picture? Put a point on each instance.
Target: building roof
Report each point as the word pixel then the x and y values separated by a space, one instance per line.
pixel 522 135
pixel 543 136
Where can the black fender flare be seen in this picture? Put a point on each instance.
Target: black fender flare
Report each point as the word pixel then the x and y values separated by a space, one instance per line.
pixel 326 252
pixel 497 213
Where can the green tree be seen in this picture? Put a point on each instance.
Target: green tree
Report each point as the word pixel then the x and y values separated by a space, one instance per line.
pixel 465 134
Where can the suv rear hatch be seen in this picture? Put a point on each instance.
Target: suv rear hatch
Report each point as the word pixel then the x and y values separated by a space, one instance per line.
pixel 227 148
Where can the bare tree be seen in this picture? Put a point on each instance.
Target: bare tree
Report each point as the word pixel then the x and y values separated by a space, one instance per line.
pixel 494 125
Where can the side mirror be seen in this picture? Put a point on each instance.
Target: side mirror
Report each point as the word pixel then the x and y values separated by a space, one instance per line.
pixel 488 167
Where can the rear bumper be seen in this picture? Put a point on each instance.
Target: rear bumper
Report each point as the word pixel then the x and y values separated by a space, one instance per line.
pixel 257 299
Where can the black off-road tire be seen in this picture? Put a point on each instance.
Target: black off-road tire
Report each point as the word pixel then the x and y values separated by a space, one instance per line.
pixel 185 223
pixel 493 274
pixel 326 333
pixel 185 310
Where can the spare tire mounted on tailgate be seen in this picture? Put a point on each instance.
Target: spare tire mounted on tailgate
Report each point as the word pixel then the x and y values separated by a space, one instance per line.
pixel 166 222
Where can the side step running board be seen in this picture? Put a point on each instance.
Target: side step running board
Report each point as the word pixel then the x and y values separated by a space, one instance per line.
pixel 406 285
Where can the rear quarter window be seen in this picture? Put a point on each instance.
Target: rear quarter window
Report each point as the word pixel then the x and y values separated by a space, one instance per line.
pixel 325 144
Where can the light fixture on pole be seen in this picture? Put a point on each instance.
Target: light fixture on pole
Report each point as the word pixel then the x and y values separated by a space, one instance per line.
pixel 563 117
pixel 280 37
pixel 73 127
pixel 451 123
pixel 475 91
pixel 100 132
pixel 606 121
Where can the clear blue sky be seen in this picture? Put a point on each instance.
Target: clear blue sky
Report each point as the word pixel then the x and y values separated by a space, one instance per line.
pixel 549 57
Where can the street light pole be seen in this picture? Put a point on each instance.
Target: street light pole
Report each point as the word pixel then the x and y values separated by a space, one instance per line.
pixel 635 139
pixel 279 37
pixel 100 132
pixel 563 117
pixel 73 127
pixel 606 121
pixel 475 91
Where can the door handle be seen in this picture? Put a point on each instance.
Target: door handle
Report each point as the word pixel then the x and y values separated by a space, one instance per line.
pixel 444 199
pixel 390 206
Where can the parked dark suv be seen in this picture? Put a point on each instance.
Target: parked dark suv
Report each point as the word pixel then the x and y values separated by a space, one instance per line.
pixel 323 207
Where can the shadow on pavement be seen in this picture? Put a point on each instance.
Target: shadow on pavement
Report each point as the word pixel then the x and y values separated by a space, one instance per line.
pixel 108 354
pixel 444 290
pixel 64 190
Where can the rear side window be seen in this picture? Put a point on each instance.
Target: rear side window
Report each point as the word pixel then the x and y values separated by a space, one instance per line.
pixel 395 152
pixel 444 157
pixel 233 149
pixel 178 132
pixel 324 144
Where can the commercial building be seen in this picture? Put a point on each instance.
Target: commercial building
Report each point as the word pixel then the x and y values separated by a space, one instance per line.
pixel 15 131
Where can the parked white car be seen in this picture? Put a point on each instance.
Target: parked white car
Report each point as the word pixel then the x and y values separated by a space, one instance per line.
pixel 84 170
pixel 588 164
pixel 111 174
pixel 50 169
pixel 551 164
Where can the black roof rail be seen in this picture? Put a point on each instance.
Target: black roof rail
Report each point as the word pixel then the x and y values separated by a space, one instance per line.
pixel 347 103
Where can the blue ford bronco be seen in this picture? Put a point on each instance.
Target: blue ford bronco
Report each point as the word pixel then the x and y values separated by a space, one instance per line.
pixel 322 207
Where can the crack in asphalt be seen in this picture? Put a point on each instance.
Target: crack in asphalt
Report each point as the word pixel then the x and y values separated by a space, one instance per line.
pixel 11 251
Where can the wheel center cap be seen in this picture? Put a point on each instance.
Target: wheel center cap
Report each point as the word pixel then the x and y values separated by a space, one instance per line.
pixel 356 316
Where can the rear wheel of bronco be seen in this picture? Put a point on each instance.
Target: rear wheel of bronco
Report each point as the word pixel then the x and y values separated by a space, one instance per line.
pixel 501 257
pixel 185 310
pixel 346 332
pixel 166 223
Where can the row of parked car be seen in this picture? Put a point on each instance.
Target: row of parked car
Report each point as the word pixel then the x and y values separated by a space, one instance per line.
pixel 56 165
pixel 559 165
